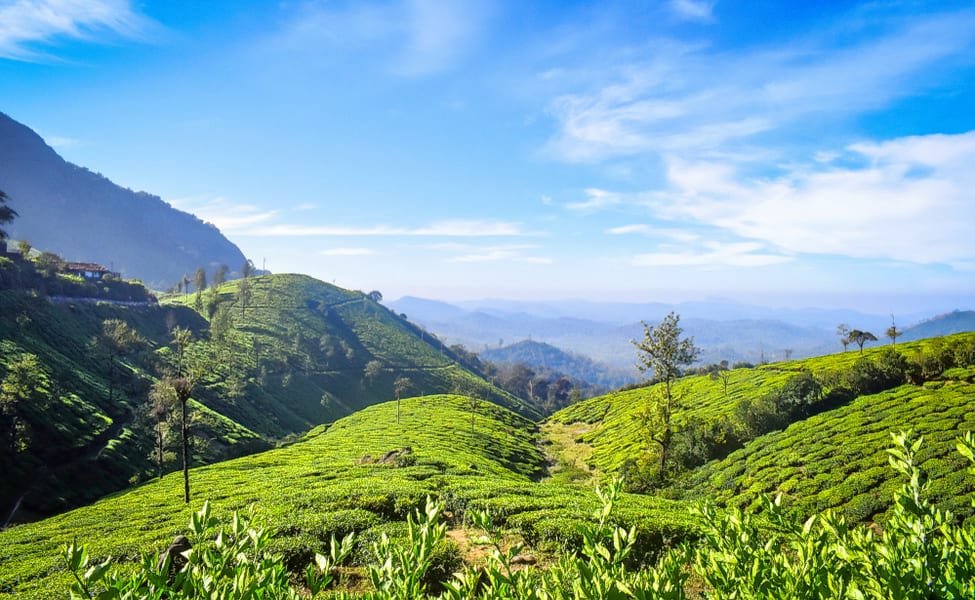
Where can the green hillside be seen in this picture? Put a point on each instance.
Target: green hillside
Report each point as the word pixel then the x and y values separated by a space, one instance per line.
pixel 296 354
pixel 836 459
pixel 611 429
pixel 79 443
pixel 364 473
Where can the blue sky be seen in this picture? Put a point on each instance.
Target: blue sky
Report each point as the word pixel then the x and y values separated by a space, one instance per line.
pixel 785 153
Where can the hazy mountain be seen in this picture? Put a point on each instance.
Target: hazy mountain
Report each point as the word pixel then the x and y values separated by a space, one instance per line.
pixel 538 355
pixel 602 331
pixel 83 216
pixel 954 322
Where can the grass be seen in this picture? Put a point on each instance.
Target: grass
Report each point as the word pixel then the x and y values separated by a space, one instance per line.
pixel 334 481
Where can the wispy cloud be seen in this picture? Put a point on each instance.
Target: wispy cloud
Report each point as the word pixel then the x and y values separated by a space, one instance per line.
pixel 450 228
pixel 412 37
pixel 509 253
pixel 596 200
pixel 227 216
pixel 696 102
pixel 677 235
pixel 714 255
pixel 693 10
pixel 348 252
pixel 26 26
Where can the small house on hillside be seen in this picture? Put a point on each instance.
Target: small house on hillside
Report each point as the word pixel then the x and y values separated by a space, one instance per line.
pixel 90 271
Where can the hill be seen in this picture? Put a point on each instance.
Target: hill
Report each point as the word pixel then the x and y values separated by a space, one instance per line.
pixel 83 216
pixel 720 414
pixel 364 473
pixel 298 352
pixel 957 321
pixel 539 355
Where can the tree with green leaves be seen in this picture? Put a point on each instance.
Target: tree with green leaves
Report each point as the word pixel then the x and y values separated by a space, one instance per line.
pixel 664 353
pixel 400 387
pixel 7 214
pixel 861 337
pixel 373 369
pixel 26 383
pixel 162 400
pixel 117 339
pixel 244 294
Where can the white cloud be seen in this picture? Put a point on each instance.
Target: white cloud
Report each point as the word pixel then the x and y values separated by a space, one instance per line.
pixel 675 98
pixel 596 200
pixel 27 24
pixel 693 10
pixel 670 233
pixel 348 252
pixel 714 255
pixel 912 201
pixel 449 228
pixel 227 216
pixel 511 253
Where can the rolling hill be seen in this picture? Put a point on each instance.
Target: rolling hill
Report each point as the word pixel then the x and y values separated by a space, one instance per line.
pixel 83 216
pixel 293 356
pixel 827 460
pixel 364 473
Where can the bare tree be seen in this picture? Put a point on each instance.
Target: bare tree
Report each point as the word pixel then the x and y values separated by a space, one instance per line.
pixel 843 330
pixel 893 332
pixel 400 387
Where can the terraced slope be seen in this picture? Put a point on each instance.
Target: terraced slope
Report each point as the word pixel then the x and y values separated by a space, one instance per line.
pixel 837 459
pixel 302 347
pixel 294 356
pixel 356 475
pixel 615 433
pixel 85 438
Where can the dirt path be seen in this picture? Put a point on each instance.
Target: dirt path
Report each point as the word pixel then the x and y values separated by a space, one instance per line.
pixel 568 457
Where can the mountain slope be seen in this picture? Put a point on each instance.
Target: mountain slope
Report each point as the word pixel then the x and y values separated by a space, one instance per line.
pixel 82 216
pixel 365 473
pixel 294 356
pixel 953 322
pixel 539 355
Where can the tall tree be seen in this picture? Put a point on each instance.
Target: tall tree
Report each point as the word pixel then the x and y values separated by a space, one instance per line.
pixel 220 275
pixel 861 337
pixel 117 339
pixel 200 280
pixel 893 332
pixel 247 269
pixel 162 399
pixel 189 370
pixel 7 214
pixel 664 353
pixel 244 293
pixel 400 387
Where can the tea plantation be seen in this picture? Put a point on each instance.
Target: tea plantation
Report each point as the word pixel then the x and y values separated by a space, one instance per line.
pixel 364 473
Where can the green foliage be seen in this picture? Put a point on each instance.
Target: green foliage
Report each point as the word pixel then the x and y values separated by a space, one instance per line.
pixel 922 553
pixel 335 480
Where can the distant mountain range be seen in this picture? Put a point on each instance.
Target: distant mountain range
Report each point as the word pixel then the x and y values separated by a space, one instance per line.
pixel 603 330
pixel 538 355
pixel 82 216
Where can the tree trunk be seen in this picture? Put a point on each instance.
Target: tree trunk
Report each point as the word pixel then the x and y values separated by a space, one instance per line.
pixel 186 453
pixel 159 448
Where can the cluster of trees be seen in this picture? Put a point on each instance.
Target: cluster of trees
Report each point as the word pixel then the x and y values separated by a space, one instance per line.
pixel 859 337
pixel 672 448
